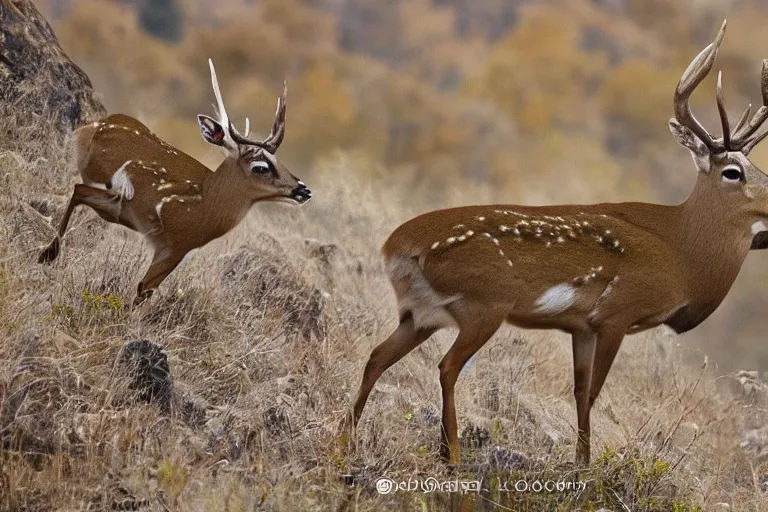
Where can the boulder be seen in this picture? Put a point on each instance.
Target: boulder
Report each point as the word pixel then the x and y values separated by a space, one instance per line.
pixel 40 86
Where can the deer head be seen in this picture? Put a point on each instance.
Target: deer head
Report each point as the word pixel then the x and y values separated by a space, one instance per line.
pixel 723 162
pixel 266 177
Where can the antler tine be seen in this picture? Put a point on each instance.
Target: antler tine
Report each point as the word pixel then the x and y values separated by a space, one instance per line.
pixel 723 113
pixel 695 73
pixel 754 141
pixel 222 111
pixel 277 134
pixel 233 128
pixel 223 117
pixel 275 137
pixel 743 119
pixel 742 137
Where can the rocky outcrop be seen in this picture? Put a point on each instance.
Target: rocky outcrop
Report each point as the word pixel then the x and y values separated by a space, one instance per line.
pixel 40 86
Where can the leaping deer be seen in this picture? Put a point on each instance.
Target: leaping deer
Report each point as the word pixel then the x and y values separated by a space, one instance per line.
pixel 133 178
pixel 597 272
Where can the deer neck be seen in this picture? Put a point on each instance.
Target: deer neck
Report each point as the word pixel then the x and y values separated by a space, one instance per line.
pixel 714 238
pixel 224 204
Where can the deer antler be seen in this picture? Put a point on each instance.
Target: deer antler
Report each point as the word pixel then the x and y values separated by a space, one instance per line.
pixel 221 110
pixel 695 73
pixel 745 138
pixel 275 137
pixel 723 113
pixel 742 137
pixel 273 140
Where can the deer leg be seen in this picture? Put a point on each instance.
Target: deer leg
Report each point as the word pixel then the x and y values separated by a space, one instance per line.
pixel 472 336
pixel 162 265
pixel 605 352
pixel 402 341
pixel 583 360
pixel 105 202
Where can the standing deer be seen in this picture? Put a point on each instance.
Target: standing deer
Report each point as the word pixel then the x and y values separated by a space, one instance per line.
pixel 597 272
pixel 133 178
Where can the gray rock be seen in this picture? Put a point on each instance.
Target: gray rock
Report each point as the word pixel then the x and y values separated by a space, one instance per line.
pixel 147 366
pixel 38 80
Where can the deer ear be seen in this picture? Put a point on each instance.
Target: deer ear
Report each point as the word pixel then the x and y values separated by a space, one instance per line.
pixel 687 138
pixel 211 130
pixel 699 150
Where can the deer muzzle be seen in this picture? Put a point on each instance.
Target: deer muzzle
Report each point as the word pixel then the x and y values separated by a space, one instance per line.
pixel 301 194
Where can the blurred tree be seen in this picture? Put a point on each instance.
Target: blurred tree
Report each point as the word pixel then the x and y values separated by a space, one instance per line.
pixel 491 19
pixel 326 115
pixel 538 74
pixel 301 25
pixel 162 18
pixel 637 102
pixel 134 71
pixel 428 48
pixel 369 27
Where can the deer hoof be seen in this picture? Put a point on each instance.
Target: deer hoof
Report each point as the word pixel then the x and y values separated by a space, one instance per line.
pixel 140 298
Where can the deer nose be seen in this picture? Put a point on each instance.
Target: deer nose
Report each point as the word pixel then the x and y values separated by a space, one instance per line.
pixel 301 194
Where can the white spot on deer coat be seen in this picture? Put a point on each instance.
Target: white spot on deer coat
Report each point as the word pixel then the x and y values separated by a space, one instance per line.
pixel 121 182
pixel 759 226
pixel 557 299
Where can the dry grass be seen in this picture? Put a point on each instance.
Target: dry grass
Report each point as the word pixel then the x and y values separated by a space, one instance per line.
pixel 266 332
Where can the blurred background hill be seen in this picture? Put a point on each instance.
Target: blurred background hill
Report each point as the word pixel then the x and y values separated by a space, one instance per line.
pixel 534 101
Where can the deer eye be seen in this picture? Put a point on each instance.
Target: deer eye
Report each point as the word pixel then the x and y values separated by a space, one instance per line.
pixel 732 173
pixel 260 166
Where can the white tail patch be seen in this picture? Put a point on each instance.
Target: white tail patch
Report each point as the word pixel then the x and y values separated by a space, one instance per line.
pixel 121 182
pixel 557 299
pixel 415 294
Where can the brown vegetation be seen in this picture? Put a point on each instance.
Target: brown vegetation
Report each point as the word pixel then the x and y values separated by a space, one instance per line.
pixel 461 112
